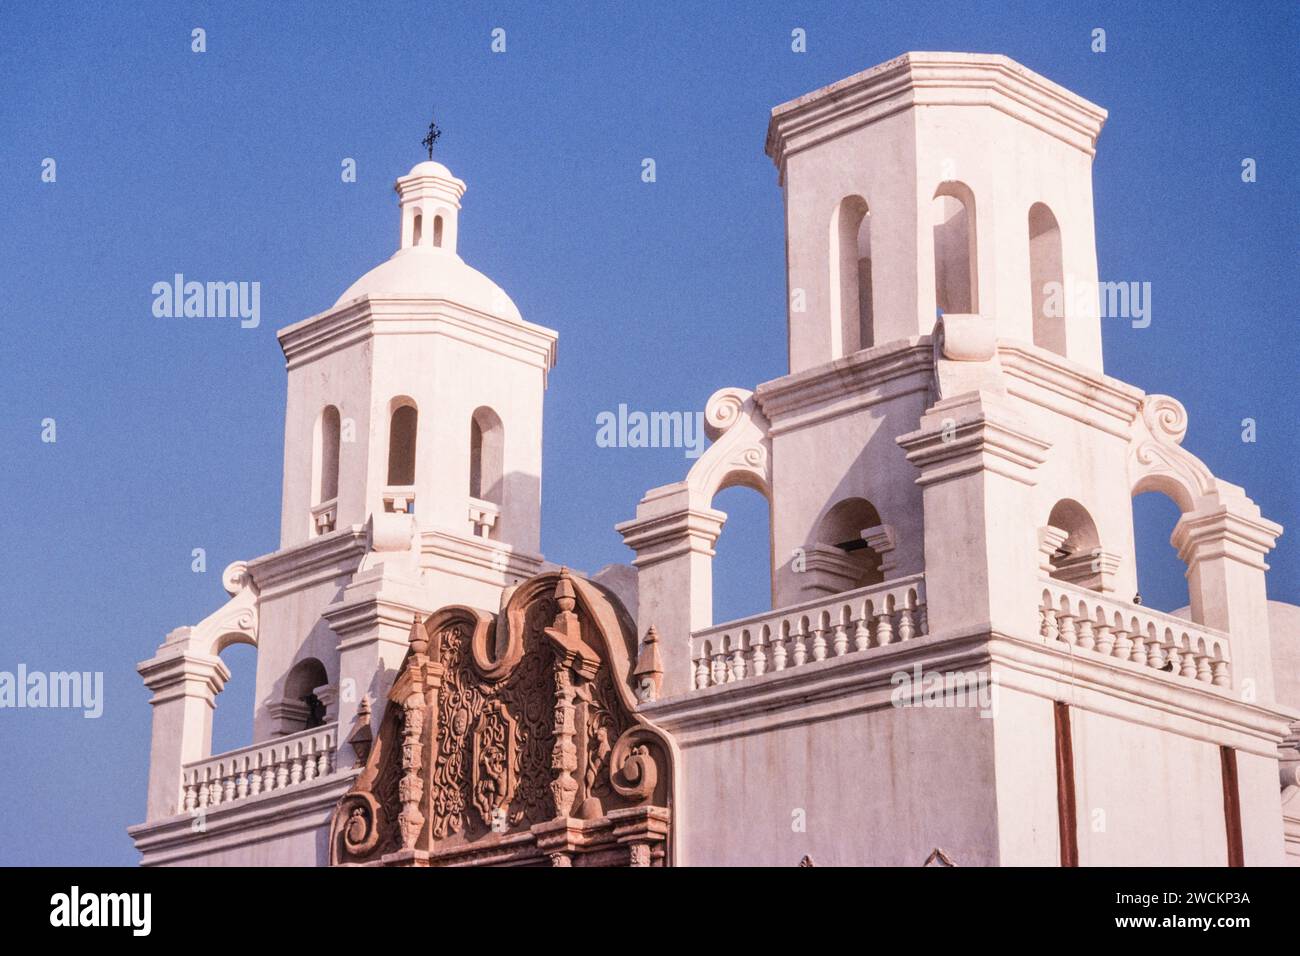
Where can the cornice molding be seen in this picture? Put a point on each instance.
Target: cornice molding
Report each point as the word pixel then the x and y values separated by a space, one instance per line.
pixel 933 79
pixel 311 562
pixel 369 316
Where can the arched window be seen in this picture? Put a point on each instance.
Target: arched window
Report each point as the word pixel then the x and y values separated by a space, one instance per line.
pixel 1046 269
pixel 417 230
pixel 953 221
pixel 300 708
pixel 437 231
pixel 486 466
pixel 401 444
pixel 850 281
pixel 842 558
pixel 1077 547
pixel 325 456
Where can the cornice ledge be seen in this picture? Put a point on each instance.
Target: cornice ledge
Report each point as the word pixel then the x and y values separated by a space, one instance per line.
pixel 370 315
pixel 934 78
pixel 339 552
pixel 1114 404
pixel 866 370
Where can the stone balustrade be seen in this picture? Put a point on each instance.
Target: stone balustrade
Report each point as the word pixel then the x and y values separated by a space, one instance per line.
pixel 1098 624
pixel 834 626
pixel 260 768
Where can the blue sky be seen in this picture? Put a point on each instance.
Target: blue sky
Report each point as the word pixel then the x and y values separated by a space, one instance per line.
pixel 225 165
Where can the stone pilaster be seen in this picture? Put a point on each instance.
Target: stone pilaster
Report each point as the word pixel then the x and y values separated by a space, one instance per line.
pixel 674 543
pixel 185 686
pixel 372 619
pixel 1224 543
pixel 977 461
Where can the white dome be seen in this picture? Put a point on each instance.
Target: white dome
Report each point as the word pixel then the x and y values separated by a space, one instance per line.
pixel 434 274
pixel 430 167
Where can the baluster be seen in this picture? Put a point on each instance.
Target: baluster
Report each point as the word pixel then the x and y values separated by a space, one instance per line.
pixel 1139 655
pixel 241 785
pixel 228 789
pixel 268 771
pixel 255 776
pixel 718 668
pixel 1203 669
pixel 281 774
pixel 738 662
pixel 778 653
pixel 800 648
pixel 884 628
pixel 191 792
pixel 1048 627
pixel 309 767
pixel 701 672
pixel 1189 664
pixel 758 658
pixel 906 629
pixel 1155 654
pixel 1105 640
pixel 862 633
pixel 1174 662
pixel 295 769
pixel 1222 676
pixel 1065 627
pixel 1123 646
pixel 1086 641
pixel 841 640
pixel 204 795
pixel 819 644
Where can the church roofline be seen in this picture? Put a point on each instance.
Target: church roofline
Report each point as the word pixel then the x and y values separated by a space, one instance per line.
pixel 934 79
pixel 369 315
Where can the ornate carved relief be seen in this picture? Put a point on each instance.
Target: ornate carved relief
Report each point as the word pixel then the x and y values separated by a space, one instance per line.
pixel 522 724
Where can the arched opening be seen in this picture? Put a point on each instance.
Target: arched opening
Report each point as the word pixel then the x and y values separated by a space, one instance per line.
pixel 1075 545
pixel 842 559
pixel 850 280
pixel 1046 279
pixel 486 472
pixel 437 231
pixel 486 456
pixel 953 222
pixel 1161 573
pixel 232 715
pixel 325 456
pixel 401 444
pixel 417 229
pixel 299 707
pixel 742 562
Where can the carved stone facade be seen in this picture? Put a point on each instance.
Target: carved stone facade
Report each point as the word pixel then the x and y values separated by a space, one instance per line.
pixel 512 739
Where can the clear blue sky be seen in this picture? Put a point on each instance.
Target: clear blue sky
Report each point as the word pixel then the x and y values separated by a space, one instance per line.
pixel 226 165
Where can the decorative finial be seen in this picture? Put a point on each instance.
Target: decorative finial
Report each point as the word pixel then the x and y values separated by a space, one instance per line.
pixel 431 137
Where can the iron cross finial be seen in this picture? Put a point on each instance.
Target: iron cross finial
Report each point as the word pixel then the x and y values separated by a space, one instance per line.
pixel 431 137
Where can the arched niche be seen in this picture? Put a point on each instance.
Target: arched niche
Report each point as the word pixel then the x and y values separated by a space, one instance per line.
pixel 953 227
pixel 1046 279
pixel 852 311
